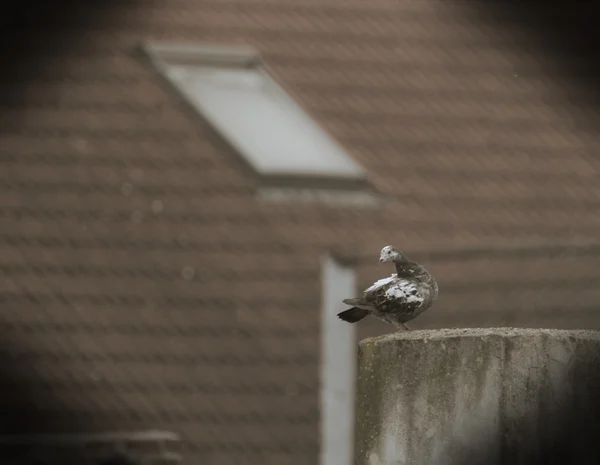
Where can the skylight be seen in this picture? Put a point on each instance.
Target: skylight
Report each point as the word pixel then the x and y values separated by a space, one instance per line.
pixel 278 139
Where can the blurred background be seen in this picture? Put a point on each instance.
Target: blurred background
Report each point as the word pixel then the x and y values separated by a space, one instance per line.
pixel 161 266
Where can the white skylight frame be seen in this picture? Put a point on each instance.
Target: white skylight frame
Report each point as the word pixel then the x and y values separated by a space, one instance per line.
pixel 313 158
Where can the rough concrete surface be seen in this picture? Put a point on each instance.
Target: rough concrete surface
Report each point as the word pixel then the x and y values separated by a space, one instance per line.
pixel 471 396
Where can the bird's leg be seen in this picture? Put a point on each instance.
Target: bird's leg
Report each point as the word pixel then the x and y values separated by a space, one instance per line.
pixel 401 326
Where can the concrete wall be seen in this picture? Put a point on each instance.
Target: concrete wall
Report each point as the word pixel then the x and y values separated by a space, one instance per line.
pixel 471 396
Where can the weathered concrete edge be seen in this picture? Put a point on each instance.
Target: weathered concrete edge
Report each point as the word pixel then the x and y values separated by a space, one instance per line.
pixel 450 333
pixel 379 357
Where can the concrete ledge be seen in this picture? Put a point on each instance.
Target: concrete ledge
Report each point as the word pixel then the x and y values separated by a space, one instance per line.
pixel 470 396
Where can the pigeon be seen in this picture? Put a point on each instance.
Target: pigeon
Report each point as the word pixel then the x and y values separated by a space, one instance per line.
pixel 396 299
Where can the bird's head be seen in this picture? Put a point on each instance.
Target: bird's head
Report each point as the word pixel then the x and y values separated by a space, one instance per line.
pixel 391 254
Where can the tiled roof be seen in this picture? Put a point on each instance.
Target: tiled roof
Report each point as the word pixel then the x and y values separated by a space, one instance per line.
pixel 143 285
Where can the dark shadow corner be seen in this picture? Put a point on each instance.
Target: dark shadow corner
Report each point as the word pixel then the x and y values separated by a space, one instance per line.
pixel 35 31
pixel 567 37
pixel 24 403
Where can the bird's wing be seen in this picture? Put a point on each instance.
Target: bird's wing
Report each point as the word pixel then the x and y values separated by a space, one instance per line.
pixel 368 300
pixel 377 285
pixel 400 295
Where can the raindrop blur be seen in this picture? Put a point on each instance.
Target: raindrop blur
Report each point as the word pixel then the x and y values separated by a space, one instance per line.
pixel 126 188
pixel 157 206
pixel 137 216
pixel 188 273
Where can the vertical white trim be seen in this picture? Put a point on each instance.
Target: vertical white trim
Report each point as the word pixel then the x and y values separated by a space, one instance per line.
pixel 338 366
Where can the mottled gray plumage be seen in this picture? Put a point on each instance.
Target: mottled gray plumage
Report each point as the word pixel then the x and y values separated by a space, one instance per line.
pixel 397 299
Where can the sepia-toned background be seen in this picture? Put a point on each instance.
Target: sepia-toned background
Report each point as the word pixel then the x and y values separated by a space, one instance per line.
pixel 144 286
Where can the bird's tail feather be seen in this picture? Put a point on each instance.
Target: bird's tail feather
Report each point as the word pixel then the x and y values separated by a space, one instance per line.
pixel 359 302
pixel 354 302
pixel 352 315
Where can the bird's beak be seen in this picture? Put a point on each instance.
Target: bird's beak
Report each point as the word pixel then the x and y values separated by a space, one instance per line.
pixel 381 260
